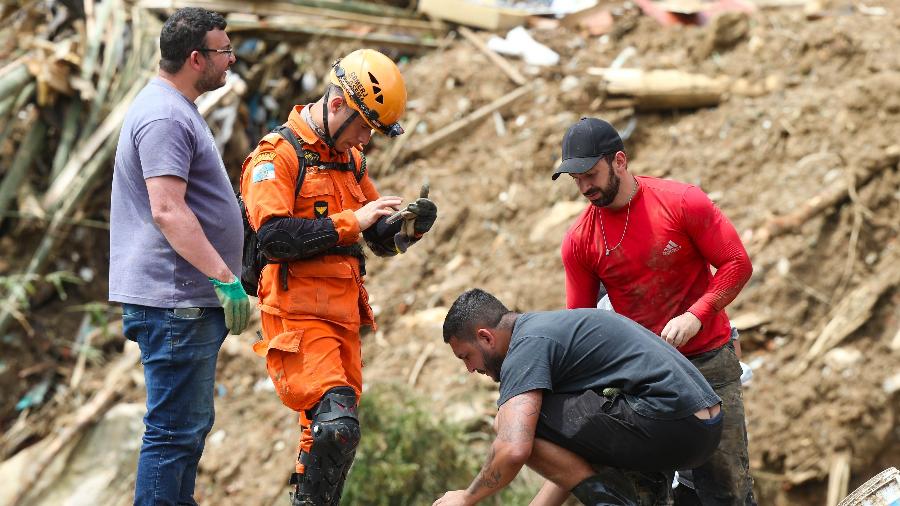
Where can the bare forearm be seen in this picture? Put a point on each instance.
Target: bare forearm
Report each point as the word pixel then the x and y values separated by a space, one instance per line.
pixel 499 469
pixel 516 422
pixel 550 495
pixel 180 227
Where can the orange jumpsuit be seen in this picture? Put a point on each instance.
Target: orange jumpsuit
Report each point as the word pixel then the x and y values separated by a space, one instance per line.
pixel 310 332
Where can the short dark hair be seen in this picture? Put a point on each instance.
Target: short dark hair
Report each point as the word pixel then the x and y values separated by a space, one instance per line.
pixel 473 309
pixel 333 90
pixel 184 32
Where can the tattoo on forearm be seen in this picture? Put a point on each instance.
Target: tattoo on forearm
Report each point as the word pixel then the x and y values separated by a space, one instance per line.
pixel 516 424
pixel 487 477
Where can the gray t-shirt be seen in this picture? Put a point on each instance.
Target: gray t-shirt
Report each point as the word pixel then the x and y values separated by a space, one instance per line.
pixel 165 135
pixel 575 350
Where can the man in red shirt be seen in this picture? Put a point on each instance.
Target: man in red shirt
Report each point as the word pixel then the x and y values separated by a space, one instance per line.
pixel 651 243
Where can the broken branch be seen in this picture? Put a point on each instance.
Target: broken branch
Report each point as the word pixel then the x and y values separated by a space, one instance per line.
pixel 836 193
pixel 498 60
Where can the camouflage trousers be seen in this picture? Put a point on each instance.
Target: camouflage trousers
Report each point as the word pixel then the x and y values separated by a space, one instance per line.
pixel 725 478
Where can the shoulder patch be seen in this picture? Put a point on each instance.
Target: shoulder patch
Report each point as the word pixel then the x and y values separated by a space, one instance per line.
pixel 264 172
pixel 265 156
pixel 272 137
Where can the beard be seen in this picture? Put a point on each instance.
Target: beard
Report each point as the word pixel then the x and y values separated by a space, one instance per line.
pixel 492 364
pixel 608 194
pixel 211 79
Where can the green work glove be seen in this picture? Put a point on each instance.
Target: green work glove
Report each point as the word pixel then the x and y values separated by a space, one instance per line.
pixel 235 303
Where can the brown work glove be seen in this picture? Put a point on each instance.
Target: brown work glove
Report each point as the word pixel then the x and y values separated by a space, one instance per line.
pixel 418 218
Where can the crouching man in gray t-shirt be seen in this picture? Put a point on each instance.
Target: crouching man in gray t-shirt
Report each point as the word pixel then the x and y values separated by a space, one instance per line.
pixel 595 403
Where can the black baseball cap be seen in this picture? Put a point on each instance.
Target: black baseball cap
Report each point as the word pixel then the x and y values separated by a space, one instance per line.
pixel 586 142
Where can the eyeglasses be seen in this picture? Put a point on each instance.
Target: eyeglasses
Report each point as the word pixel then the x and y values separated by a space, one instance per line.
pixel 229 51
pixel 370 115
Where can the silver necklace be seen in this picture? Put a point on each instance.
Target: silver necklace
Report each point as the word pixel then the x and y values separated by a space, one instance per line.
pixel 624 229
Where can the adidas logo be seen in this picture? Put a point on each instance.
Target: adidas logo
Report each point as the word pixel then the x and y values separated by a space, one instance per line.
pixel 670 248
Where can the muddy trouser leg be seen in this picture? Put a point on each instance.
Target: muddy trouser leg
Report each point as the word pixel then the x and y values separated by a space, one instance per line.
pixel 316 368
pixel 725 478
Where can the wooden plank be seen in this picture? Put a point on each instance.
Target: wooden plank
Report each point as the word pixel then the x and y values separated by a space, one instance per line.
pixel 11 66
pixel 838 478
pixel 286 8
pixel 92 52
pixel 287 25
pixel 468 121
pixel 856 308
pixel 358 7
pixel 497 60
pixel 473 13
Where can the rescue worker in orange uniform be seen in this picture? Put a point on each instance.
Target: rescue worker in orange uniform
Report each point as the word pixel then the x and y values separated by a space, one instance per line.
pixel 311 294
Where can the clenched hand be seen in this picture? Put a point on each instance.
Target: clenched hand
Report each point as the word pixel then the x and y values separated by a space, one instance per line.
pixel 454 498
pixel 681 329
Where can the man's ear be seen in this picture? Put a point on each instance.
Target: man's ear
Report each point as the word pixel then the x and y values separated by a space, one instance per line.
pixel 195 61
pixel 485 337
pixel 335 103
pixel 621 160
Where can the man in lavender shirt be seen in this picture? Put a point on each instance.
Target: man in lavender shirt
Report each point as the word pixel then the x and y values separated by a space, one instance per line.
pixel 175 243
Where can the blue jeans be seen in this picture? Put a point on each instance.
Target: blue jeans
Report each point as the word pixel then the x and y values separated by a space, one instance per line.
pixel 179 348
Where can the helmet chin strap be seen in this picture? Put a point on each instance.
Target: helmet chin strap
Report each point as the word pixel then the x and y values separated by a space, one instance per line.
pixel 329 139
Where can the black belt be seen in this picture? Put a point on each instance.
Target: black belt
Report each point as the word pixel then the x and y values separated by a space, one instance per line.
pixel 354 250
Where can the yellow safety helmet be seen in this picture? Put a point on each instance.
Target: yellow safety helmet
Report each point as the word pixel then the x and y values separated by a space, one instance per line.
pixel 373 87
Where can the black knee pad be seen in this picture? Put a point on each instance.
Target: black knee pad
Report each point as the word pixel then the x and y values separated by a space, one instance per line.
pixel 335 431
pixel 335 425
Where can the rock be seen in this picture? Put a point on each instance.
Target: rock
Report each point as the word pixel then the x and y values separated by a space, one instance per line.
pixel 98 471
pixel 891 384
pixel 841 359
pixel 749 320
pixel 724 32
pixel 429 321
pixel 552 227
